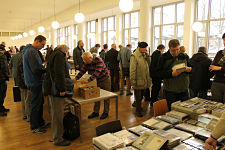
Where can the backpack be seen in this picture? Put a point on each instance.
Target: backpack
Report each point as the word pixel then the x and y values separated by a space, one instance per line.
pixel 71 126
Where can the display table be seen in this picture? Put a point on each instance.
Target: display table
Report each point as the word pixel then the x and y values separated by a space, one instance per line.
pixel 104 95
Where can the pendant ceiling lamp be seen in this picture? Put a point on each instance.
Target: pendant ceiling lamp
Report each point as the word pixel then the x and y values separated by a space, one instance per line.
pixel 20 36
pixel 197 26
pixel 25 34
pixel 126 5
pixel 31 32
pixel 79 17
pixel 41 28
pixel 55 24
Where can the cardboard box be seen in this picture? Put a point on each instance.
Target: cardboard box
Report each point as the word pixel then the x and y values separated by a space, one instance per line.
pixel 78 85
pixel 89 92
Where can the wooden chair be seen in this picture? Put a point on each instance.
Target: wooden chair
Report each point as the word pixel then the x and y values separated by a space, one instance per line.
pixel 160 107
pixel 109 127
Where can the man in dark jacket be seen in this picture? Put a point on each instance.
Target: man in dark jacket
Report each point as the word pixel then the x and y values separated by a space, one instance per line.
pixel 57 72
pixel 113 66
pixel 77 52
pixel 4 77
pixel 24 91
pixel 173 70
pixel 156 81
pixel 33 75
pixel 200 74
pixel 103 52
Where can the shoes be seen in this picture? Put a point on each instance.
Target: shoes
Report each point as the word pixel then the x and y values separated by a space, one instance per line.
pixel 121 93
pixel 46 125
pixel 134 104
pixel 24 117
pixel 104 115
pixel 94 114
pixel 3 113
pixel 139 114
pixel 6 109
pixel 63 143
pixel 129 94
pixel 38 130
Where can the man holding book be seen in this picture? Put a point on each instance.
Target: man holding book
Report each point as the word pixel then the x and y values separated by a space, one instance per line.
pixel 174 71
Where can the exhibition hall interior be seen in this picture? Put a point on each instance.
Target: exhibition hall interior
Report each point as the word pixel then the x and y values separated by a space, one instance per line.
pixel 112 74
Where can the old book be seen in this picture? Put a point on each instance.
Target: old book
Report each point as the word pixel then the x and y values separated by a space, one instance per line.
pixel 203 134
pixel 183 146
pixel 183 135
pixel 126 136
pixel 176 114
pixel 173 139
pixel 127 148
pixel 139 130
pixel 154 123
pixel 179 67
pixel 206 118
pixel 150 141
pixel 108 142
pixel 212 124
pixel 188 128
pixel 168 119
pixel 194 142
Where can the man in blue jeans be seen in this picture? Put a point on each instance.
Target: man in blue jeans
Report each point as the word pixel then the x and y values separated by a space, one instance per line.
pixel 33 75
pixel 4 76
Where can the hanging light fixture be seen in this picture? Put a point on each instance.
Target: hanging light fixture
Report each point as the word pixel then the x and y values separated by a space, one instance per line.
pixel 31 32
pixel 16 37
pixel 41 29
pixel 126 5
pixel 20 36
pixel 13 38
pixel 55 24
pixel 79 17
pixel 25 34
pixel 197 26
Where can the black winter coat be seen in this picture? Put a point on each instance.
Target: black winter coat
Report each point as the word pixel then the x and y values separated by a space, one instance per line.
pixel 111 59
pixel 200 74
pixel 59 71
pixel 4 70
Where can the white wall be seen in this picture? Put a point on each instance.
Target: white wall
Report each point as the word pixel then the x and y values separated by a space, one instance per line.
pixel 97 9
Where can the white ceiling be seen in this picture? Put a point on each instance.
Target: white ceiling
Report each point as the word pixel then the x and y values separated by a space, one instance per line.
pixel 17 15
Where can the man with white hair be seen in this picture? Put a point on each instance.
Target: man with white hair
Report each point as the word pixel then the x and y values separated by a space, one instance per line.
pixel 96 67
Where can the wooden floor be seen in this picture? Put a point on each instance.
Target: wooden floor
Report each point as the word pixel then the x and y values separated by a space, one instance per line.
pixel 15 132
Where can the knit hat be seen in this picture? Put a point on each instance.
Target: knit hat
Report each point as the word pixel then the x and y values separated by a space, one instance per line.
pixel 142 45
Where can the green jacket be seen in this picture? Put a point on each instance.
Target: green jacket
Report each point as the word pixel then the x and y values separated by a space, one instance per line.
pixel 94 50
pixel 139 70
pixel 14 63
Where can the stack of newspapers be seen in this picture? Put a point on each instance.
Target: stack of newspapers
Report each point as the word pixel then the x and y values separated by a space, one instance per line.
pixel 127 137
pixel 108 141
pixel 154 123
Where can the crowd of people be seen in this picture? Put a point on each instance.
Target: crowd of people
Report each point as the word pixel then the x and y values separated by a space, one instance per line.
pixel 112 69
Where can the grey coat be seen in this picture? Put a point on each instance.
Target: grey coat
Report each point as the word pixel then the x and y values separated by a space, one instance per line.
pixel 124 57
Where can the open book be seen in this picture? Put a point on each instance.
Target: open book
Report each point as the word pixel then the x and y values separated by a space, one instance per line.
pixel 179 67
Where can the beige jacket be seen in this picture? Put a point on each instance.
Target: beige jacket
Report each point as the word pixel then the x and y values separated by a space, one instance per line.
pixel 139 70
pixel 219 130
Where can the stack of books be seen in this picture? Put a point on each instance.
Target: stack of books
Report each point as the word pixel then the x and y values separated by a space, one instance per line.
pixel 183 146
pixel 168 119
pixel 188 128
pixel 196 143
pixel 173 140
pixel 177 115
pixel 127 137
pixel 183 135
pixel 150 141
pixel 127 148
pixel 108 142
pixel 139 130
pixel 155 124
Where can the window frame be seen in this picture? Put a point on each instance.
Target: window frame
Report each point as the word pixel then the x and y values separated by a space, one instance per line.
pixel 90 32
pixel 107 30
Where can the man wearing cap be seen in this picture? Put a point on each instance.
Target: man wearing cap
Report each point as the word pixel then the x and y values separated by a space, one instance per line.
pixel 139 74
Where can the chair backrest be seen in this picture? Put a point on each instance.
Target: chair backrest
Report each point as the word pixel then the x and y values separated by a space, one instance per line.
pixel 109 127
pixel 160 107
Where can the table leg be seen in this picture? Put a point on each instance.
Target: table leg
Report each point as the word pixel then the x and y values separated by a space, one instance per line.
pixel 79 115
pixel 117 108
